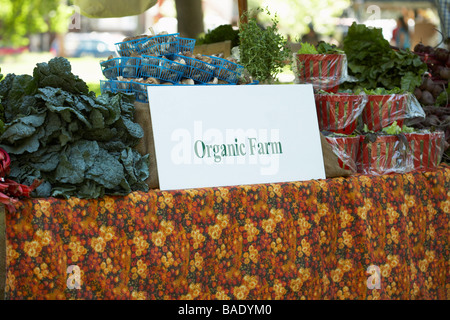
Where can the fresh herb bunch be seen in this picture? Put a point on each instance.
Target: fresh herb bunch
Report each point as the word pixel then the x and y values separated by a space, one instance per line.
pixel 263 51
pixel 221 33
pixel 58 131
pixel 373 62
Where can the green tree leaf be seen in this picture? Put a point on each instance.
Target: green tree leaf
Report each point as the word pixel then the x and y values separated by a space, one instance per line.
pixel 18 19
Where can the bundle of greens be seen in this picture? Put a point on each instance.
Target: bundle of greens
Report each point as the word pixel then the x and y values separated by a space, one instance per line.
pixel 322 48
pixel 373 62
pixel 392 129
pixel 396 129
pixel 379 91
pixel 79 144
pixel 221 33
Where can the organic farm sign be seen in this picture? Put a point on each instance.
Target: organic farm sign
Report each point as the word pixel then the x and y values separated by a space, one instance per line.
pixel 224 135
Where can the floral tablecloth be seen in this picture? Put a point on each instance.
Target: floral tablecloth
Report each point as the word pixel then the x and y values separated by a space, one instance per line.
pixel 360 237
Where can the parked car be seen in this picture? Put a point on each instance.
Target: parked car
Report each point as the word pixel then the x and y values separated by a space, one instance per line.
pixel 88 44
pixel 11 50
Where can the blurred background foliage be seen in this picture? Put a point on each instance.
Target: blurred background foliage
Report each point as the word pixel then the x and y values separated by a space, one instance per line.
pixel 296 16
pixel 20 18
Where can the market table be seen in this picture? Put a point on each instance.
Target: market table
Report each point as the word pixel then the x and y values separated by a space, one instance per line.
pixel 300 240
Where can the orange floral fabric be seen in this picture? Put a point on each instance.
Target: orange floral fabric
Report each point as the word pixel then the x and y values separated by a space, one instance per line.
pixel 361 237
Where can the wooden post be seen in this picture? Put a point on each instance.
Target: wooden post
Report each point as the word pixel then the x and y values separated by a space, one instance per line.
pixel 243 8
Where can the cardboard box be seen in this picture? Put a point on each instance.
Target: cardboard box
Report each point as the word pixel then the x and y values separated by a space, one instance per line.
pixel 214 48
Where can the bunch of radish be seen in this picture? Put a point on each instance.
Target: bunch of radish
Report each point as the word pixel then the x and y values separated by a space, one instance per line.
pixel 437 59
pixel 435 81
pixel 429 90
pixel 434 92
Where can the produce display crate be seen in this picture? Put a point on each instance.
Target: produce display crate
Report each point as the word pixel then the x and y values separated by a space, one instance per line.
pixel 162 69
pixel 382 110
pixel 130 47
pixel 346 149
pixel 115 86
pixel 122 86
pixel 140 90
pixel 159 45
pixel 425 150
pixel 218 48
pixel 127 67
pixel 387 154
pixel 106 86
pixel 185 45
pixel 339 112
pixel 323 71
pixel 226 70
pixel 199 71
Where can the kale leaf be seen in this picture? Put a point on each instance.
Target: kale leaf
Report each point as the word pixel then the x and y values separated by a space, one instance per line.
pixel 57 131
pixel 57 73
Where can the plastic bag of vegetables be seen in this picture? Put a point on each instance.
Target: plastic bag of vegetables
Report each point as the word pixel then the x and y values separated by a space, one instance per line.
pixel 339 112
pixel 345 147
pixel 324 66
pixel 386 106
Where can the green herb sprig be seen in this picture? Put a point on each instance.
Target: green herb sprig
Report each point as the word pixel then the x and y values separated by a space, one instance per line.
pixel 263 51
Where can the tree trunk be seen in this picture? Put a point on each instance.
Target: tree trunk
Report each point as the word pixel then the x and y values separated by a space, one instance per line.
pixel 243 8
pixel 61 44
pixel 190 18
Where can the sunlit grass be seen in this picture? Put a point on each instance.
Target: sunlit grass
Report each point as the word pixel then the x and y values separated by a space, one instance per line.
pixel 95 87
pixel 22 63
pixel 87 68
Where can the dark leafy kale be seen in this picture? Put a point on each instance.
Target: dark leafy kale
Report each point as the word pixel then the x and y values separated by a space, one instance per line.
pixel 57 73
pixel 79 144
pixel 14 89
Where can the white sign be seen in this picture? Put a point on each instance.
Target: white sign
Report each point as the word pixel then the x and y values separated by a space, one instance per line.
pixel 212 136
